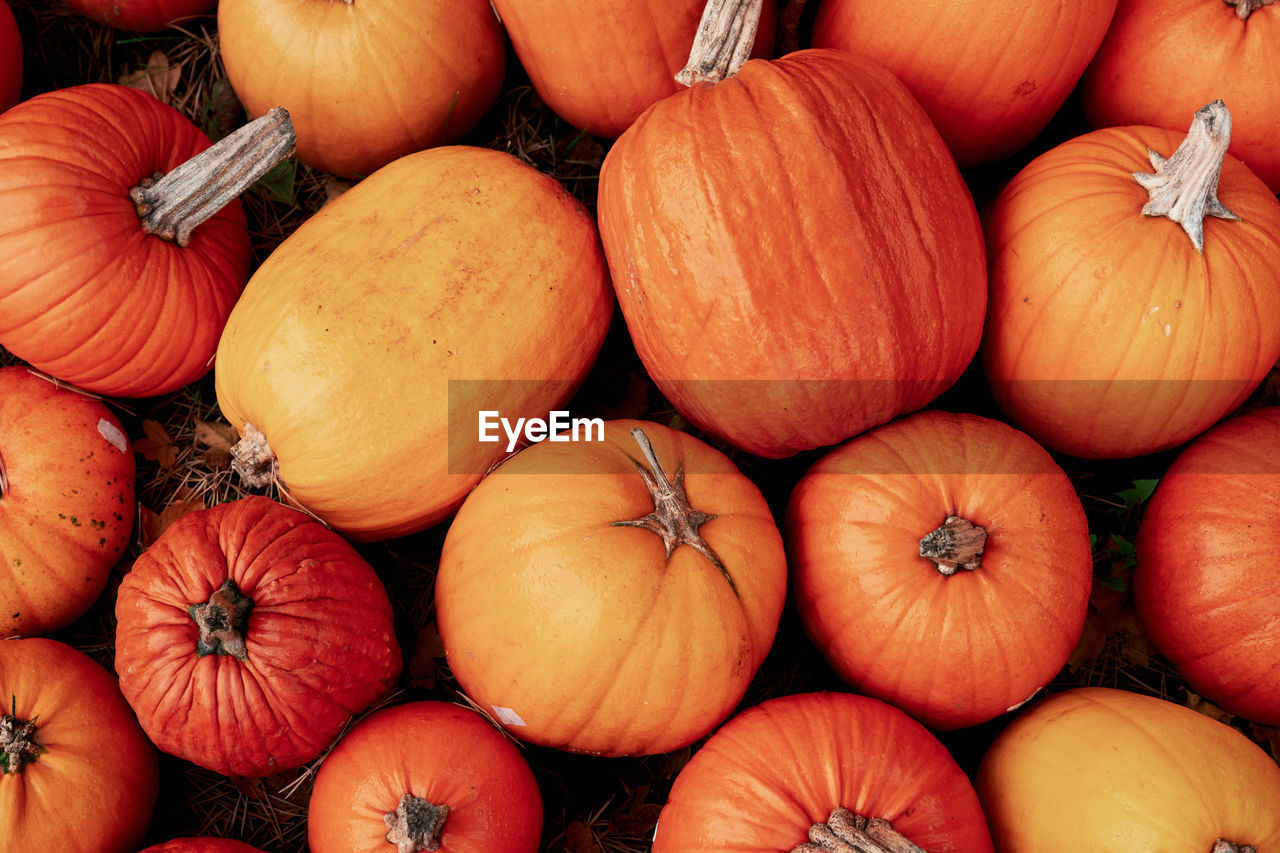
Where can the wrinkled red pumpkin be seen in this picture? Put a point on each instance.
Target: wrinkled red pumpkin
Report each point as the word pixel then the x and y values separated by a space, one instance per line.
pixel 76 772
pixel 425 776
pixel 10 58
pixel 248 634
pixel 66 501
pixel 202 845
pixel 142 16
pixel 821 762
pixel 1206 586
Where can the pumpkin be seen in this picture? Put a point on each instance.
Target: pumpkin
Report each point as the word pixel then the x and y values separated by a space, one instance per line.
pixel 1112 771
pixel 10 58
pixel 941 563
pixel 600 601
pixel 453 282
pixel 66 501
pixel 818 766
pixel 109 279
pixel 424 776
pixel 989 77
pixel 202 845
pixel 599 65
pixel 1205 586
pixel 1162 59
pixel 142 16
pixel 248 634
pixel 1129 291
pixel 365 83
pixel 76 772
pixel 794 251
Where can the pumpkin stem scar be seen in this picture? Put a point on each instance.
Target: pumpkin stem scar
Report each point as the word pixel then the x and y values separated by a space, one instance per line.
pixel 1221 846
pixel 18 746
pixel 722 44
pixel 172 206
pixel 222 621
pixel 846 832
pixel 415 825
pixel 253 459
pixel 1245 8
pixel 956 544
pixel 672 519
pixel 1184 187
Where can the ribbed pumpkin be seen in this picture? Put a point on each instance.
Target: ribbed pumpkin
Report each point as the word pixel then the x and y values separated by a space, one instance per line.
pixel 425 776
pixel 1162 59
pixel 1111 771
pixel 989 76
pixel 600 64
pixel 141 16
pixel 66 501
pixel 76 773
pixel 611 596
pixel 109 280
pixel 202 845
pixel 10 58
pixel 942 563
pixel 365 83
pixel 453 281
pixel 248 634
pixel 1112 331
pixel 776 770
pixel 1206 585
pixel 794 251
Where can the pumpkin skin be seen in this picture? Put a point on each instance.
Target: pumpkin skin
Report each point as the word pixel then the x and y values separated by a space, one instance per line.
pixel 97 774
pixel 885 289
pixel 600 65
pixel 202 845
pixel 957 650
pixel 1108 335
pixel 594 641
pixel 141 16
pixel 775 769
pixel 450 264
pixel 436 66
pixel 319 643
pixel 436 751
pixel 10 58
pixel 1162 59
pixel 66 502
pixel 1107 770
pixel 1205 586
pixel 989 78
pixel 85 294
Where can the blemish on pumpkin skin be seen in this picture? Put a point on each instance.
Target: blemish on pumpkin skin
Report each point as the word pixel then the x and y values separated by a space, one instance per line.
pixel 1025 88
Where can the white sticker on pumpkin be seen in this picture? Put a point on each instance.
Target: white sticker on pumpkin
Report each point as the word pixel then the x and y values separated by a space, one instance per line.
pixel 506 716
pixel 113 435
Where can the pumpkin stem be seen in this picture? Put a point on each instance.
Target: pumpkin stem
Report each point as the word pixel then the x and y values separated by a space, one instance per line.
pixel 846 832
pixel 222 621
pixel 1221 846
pixel 253 459
pixel 672 519
pixel 4 479
pixel 173 206
pixel 18 746
pixel 1184 187
pixel 415 825
pixel 1245 8
pixel 956 544
pixel 721 46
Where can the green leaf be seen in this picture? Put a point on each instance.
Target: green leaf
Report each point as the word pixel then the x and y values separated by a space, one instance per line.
pixel 277 185
pixel 1118 546
pixel 1115 582
pixel 1141 491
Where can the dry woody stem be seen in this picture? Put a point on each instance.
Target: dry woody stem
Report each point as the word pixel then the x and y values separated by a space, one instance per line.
pixel 956 544
pixel 415 825
pixel 846 832
pixel 223 621
pixel 253 459
pixel 18 746
pixel 1221 846
pixel 1245 8
pixel 726 33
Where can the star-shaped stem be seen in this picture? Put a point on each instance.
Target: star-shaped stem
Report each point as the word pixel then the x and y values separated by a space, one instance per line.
pixel 846 832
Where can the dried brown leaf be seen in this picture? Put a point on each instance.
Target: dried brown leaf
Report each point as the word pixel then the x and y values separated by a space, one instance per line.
pixel 426 651
pixel 157 78
pixel 157 446
pixel 214 440
pixel 579 839
pixel 1201 705
pixel 334 188
pixel 1093 640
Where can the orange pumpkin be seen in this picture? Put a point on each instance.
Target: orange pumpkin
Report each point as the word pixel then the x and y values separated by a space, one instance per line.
pixel 990 77
pixel 76 772
pixel 202 845
pixel 10 58
pixel 942 563
pixel 598 603
pixel 1111 771
pixel 141 16
pixel 1206 586
pixel 454 281
pixel 365 83
pixel 599 65
pixel 66 501
pixel 1111 333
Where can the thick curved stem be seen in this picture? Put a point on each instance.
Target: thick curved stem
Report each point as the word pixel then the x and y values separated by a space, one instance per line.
pixel 253 459
pixel 721 46
pixel 223 622
pixel 415 825
pixel 956 544
pixel 1245 8
pixel 1221 846
pixel 18 746
pixel 173 206
pixel 846 832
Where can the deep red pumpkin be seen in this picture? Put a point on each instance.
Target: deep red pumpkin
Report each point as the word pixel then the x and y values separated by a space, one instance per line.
pixel 202 845
pixel 306 638
pixel 141 16
pixel 10 58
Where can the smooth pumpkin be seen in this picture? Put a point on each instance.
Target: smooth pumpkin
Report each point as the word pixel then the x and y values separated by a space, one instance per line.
pixel 599 65
pixel 141 16
pixel 990 77
pixel 1111 333
pixel 777 769
pixel 76 772
pixel 365 83
pixel 1205 586
pixel 248 634
pixel 1112 771
pixel 425 776
pixel 66 501
pixel 941 563
pixel 10 58
pixel 611 596
pixel 202 845
pixel 454 281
